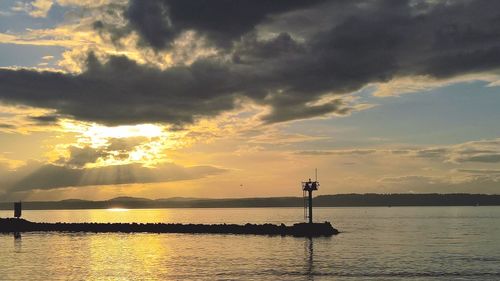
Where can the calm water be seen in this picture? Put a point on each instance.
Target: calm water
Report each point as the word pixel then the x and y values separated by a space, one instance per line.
pixel 416 243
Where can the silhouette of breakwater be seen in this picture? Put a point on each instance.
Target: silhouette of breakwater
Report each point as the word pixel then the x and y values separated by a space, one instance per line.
pixel 298 229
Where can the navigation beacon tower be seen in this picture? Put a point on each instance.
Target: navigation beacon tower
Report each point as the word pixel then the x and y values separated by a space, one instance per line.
pixel 307 188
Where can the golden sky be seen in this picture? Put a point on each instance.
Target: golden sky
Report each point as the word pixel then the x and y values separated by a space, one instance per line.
pixel 106 98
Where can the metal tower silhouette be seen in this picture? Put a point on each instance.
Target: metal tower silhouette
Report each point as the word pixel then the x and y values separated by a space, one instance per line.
pixel 307 189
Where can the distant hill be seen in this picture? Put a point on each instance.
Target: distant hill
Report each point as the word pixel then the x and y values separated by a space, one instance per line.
pixel 129 199
pixel 177 199
pixel 337 200
pixel 73 200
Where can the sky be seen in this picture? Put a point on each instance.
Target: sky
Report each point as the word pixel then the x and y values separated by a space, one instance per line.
pixel 245 98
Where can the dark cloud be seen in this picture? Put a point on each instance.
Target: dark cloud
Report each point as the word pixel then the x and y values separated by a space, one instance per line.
pixel 485 158
pixel 123 92
pixel 479 171
pixel 48 176
pixel 401 151
pixel 80 156
pixel 159 22
pixel 337 52
pixel 432 152
pixel 7 126
pixel 293 111
pixel 483 151
pixel 44 119
pixel 484 183
pixel 251 50
pixel 125 144
pixel 115 149
pixel 337 152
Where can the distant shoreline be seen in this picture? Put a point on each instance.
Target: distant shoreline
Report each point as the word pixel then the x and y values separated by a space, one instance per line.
pixel 338 200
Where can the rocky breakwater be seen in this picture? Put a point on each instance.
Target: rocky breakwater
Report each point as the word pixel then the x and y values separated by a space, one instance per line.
pixel 298 229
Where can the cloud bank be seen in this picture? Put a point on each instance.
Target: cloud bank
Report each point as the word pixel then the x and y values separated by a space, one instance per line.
pixel 48 176
pixel 297 58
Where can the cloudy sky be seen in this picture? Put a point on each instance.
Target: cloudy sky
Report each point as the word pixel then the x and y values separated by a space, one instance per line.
pixel 244 98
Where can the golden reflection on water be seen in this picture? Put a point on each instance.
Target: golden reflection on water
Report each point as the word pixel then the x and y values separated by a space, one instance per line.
pixel 123 215
pixel 120 257
pixel 377 243
pixel 118 210
pixel 111 255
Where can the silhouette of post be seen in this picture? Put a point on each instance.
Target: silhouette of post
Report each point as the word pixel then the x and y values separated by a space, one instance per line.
pixel 17 209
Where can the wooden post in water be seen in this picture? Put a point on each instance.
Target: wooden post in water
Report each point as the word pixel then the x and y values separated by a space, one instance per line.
pixel 17 209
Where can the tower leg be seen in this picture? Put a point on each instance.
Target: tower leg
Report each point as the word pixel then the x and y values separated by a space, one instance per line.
pixel 310 206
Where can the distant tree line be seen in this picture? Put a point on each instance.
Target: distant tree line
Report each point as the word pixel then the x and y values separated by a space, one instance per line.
pixel 337 200
pixel 430 199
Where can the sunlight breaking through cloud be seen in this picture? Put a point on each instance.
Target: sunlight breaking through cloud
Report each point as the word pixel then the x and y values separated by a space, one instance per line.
pixel 104 146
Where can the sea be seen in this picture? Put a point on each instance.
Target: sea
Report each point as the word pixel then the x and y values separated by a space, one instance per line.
pixel 376 243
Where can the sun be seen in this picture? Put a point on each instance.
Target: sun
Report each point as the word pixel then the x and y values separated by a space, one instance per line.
pixel 143 144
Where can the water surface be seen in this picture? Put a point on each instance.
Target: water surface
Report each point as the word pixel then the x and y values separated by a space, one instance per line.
pixel 415 243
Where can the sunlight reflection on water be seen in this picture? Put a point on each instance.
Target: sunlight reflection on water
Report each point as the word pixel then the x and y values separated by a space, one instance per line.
pixel 459 243
pixel 117 210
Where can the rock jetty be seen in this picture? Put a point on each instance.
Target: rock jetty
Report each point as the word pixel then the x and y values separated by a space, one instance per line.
pixel 298 229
